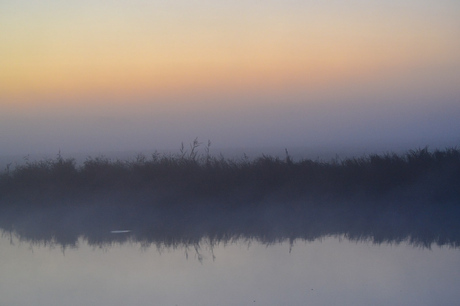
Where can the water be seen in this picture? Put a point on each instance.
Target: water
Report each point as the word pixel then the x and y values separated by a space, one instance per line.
pixel 179 235
pixel 326 271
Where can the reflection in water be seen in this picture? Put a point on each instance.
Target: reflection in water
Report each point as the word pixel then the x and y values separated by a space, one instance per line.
pixel 326 272
pixel 298 253
pixel 102 224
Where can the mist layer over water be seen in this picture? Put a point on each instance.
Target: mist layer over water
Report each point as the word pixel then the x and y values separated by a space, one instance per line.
pixel 181 199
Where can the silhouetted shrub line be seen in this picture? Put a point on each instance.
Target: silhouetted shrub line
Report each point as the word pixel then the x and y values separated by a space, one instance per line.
pixel 417 175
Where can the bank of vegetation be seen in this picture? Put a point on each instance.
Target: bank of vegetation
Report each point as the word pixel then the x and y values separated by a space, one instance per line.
pixel 188 176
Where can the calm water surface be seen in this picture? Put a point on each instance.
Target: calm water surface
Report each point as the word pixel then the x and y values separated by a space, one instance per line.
pixel 329 271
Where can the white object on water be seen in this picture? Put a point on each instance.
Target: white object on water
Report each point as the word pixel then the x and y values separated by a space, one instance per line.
pixel 120 231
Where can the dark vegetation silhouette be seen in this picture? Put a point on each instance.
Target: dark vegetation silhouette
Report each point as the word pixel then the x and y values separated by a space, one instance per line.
pixel 171 199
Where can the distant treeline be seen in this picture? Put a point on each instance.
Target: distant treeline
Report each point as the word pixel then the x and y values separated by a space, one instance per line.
pixel 166 179
pixel 188 196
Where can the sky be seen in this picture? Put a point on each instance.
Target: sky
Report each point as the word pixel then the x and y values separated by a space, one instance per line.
pixel 113 76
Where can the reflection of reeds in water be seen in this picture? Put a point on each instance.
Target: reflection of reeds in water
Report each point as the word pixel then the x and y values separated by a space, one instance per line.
pixel 180 199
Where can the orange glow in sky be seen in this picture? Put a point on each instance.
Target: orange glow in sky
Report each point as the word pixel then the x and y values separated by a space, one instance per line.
pixel 62 52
